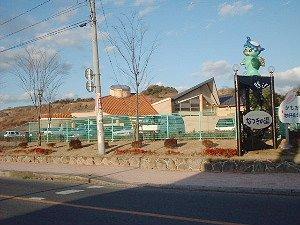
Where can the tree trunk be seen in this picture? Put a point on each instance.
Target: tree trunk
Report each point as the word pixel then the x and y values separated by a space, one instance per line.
pixel 39 126
pixel 49 120
pixel 137 122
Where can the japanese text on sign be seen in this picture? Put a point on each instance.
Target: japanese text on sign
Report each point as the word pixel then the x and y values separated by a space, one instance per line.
pixel 257 119
pixel 289 112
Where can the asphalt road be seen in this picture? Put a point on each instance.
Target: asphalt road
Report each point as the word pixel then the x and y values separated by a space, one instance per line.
pixel 37 202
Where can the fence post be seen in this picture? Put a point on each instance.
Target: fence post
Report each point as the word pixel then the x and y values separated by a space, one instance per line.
pixel 29 140
pixel 168 132
pixel 200 125
pixel 88 127
pixel 47 136
pixel 112 129
pixel 67 132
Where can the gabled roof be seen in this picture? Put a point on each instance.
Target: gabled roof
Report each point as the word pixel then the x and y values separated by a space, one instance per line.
pixel 211 80
pixel 127 106
pixel 193 88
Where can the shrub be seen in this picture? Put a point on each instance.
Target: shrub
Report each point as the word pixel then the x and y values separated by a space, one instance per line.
pixel 170 143
pixel 75 144
pixel 51 145
pixel 137 144
pixel 226 152
pixel 172 152
pixel 23 144
pixel 42 151
pixel 208 143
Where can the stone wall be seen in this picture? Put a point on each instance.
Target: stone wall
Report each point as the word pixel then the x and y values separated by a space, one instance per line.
pixel 200 164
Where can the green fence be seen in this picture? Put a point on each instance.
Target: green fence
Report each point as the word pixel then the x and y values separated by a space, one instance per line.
pixel 156 127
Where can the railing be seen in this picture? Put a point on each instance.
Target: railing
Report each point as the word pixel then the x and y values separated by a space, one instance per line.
pixel 122 128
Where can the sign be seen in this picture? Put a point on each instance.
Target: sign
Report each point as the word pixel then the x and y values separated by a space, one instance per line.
pixel 289 111
pixel 257 119
pixel 89 75
pixel 90 86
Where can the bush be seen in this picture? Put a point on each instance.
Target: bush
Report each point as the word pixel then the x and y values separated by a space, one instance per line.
pixel 226 152
pixel 137 144
pixel 51 145
pixel 75 144
pixel 208 143
pixel 170 143
pixel 42 151
pixel 172 152
pixel 23 144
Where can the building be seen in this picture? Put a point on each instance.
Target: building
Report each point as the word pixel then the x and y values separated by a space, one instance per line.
pixel 200 106
pixel 121 102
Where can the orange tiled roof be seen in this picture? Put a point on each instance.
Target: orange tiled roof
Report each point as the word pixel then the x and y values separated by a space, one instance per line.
pixel 57 115
pixel 127 106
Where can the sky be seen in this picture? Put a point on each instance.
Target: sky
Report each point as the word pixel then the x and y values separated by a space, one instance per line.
pixel 197 40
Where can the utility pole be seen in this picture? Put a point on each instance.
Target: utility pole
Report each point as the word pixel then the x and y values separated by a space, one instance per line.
pixel 40 94
pixel 96 70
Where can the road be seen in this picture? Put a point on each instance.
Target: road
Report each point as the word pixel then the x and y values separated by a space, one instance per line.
pixel 38 202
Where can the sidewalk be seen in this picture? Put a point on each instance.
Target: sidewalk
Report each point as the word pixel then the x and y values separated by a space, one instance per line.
pixel 277 183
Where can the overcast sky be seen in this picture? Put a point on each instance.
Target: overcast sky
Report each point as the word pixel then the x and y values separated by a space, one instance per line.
pixel 198 39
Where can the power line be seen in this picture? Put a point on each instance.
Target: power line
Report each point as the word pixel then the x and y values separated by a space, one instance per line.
pixel 23 13
pixel 109 58
pixel 67 10
pixel 52 33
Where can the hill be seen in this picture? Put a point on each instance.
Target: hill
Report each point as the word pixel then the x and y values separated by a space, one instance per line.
pixel 18 116
pixel 158 92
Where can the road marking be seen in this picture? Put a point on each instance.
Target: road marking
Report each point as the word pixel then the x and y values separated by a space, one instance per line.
pixel 137 213
pixel 67 192
pixel 37 198
pixel 95 186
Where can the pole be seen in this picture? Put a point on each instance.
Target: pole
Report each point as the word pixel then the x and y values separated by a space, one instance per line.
pixel 96 70
pixel 237 113
pixel 287 135
pixel 168 132
pixel 39 117
pixel 274 125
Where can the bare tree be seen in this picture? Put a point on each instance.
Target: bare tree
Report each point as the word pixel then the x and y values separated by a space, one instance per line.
pixel 135 51
pixel 40 73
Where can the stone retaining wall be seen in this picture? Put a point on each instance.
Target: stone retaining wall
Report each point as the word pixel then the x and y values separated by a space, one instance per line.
pixel 164 163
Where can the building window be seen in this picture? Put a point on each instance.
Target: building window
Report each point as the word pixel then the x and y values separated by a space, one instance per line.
pixel 188 105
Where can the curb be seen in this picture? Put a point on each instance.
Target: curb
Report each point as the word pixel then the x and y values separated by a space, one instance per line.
pixel 240 190
pixel 89 179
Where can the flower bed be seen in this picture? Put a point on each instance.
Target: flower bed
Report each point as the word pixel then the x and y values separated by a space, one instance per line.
pixel 134 151
pixel 226 152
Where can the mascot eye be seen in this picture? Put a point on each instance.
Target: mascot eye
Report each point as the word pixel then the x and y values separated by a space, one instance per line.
pixel 250 50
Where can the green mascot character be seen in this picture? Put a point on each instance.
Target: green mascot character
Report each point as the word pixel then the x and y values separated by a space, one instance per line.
pixel 252 60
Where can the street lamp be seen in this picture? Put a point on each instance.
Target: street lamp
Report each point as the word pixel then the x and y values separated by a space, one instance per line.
pixel 235 68
pixel 271 70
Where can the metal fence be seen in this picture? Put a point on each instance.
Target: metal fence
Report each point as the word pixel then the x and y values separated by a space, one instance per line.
pixel 156 127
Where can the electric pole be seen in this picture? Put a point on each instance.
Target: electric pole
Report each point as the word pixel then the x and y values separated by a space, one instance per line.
pixel 40 94
pixel 96 70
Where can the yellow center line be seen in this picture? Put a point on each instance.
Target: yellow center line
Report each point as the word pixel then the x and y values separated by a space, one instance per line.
pixel 138 213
